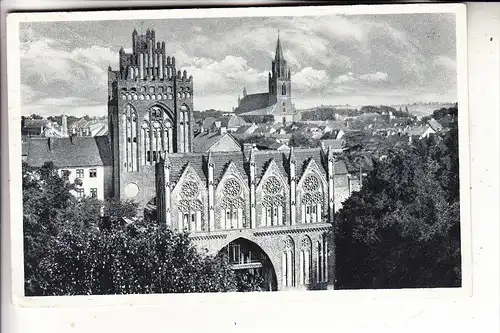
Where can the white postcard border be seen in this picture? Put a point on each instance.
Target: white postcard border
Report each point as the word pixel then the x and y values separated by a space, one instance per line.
pixel 187 300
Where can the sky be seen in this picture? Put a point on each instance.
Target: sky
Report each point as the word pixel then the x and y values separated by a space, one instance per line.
pixel 356 59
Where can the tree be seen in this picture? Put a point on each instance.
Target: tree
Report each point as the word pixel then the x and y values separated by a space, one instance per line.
pixel 299 139
pixel 402 229
pixel 83 246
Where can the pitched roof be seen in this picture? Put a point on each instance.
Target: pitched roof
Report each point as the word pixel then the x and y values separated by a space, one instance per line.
pixel 68 152
pixel 36 123
pixel 204 141
pixel 208 121
pixel 436 126
pixel 253 102
pixel 243 129
pixel 235 121
pixel 334 143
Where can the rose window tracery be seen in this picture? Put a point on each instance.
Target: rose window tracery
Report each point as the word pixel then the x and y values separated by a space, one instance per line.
pixel 272 186
pixel 189 190
pixel 311 183
pixel 232 188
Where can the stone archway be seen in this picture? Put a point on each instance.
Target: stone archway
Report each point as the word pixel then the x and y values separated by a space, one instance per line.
pixel 251 262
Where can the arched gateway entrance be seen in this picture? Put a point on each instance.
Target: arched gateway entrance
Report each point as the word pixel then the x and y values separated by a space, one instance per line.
pixel 251 264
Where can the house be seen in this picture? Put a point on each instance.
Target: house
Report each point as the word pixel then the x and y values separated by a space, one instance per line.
pixel 433 123
pixel 419 133
pixel 207 124
pixel 246 129
pixel 271 144
pixel 92 127
pixel 220 141
pixel 337 146
pixel 234 122
pixel 86 158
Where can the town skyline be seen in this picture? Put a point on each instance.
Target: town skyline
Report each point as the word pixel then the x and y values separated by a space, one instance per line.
pixel 356 60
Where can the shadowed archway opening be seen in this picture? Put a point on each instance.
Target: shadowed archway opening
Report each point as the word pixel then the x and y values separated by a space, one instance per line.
pixel 251 264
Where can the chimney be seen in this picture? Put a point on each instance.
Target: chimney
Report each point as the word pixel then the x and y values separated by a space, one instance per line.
pixel 222 130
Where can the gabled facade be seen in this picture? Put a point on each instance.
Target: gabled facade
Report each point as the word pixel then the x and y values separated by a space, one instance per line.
pixel 279 202
pixel 150 107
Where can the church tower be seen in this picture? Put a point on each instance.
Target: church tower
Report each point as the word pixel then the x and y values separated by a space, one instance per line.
pixel 280 87
pixel 149 113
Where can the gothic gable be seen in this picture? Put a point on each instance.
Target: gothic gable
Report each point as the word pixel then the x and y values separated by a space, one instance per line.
pixel 232 172
pixel 272 171
pixel 312 169
pixel 188 176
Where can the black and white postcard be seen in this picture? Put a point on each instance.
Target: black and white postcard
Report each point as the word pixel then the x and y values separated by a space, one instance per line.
pixel 235 151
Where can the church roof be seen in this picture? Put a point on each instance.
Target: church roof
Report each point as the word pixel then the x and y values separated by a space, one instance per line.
pixel 279 51
pixel 68 152
pixel 253 102
pixel 221 161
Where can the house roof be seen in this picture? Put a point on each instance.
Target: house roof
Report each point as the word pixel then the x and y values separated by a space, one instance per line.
pixel 68 152
pixel 208 121
pixel 253 102
pixel 243 129
pixel 334 143
pixel 204 141
pixel 35 123
pixel 262 158
pixel 235 121
pixel 436 126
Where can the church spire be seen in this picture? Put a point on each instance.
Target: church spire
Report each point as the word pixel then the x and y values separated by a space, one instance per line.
pixel 279 52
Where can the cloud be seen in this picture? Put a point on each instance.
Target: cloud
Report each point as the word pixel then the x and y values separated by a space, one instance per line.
pixel 334 57
pixel 310 78
pixel 378 76
pixel 230 74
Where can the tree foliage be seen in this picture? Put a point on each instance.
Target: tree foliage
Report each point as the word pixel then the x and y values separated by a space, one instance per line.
pixel 83 246
pixel 402 229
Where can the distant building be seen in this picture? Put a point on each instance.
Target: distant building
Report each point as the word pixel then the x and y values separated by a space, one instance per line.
pixel 92 127
pixel 271 144
pixel 337 146
pixel 86 158
pixel 210 142
pixel 44 128
pixel 435 125
pixel 419 133
pixel 275 105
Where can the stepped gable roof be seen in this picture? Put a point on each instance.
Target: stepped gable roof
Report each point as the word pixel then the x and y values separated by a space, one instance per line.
pixel 68 152
pixel 253 102
pixel 179 162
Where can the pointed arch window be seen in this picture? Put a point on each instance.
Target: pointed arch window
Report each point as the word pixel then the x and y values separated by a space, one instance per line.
pixel 232 208
pixel 190 207
pixel 312 200
pixel 305 261
pixel 287 263
pixel 156 135
pixel 130 130
pixel 322 260
pixel 283 89
pixel 273 203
